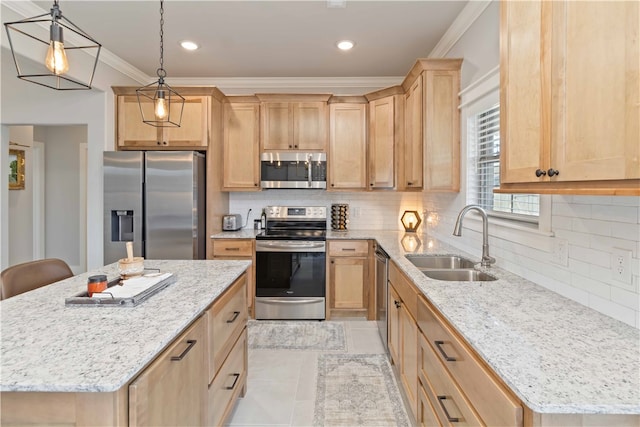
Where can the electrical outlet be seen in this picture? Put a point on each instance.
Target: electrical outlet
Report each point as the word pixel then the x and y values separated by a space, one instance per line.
pixel 560 253
pixel 621 265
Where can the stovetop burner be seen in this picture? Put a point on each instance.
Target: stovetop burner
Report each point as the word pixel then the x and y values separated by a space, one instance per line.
pixel 313 235
pixel 295 223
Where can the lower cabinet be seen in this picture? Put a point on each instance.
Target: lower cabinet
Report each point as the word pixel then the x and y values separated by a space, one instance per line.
pixel 456 383
pixel 350 287
pixel 171 390
pixel 403 333
pixel 239 249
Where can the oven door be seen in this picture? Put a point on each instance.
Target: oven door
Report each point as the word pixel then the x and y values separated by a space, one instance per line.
pixel 290 279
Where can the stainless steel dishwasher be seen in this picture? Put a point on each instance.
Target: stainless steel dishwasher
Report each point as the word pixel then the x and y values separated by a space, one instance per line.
pixel 382 271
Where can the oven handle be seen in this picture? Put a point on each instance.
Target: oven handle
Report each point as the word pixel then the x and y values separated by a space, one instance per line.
pixel 289 246
pixel 289 300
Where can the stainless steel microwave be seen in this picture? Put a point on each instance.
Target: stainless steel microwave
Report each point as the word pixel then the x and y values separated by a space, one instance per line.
pixel 293 170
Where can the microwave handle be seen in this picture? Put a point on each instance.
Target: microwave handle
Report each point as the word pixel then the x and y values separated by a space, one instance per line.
pixel 310 169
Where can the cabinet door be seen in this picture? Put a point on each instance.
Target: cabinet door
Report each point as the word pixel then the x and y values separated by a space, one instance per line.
pixel 241 151
pixel 349 278
pixel 596 83
pixel 413 148
pixel 310 126
pixel 409 357
pixel 172 390
pixel 131 130
pixel 382 143
pixel 347 147
pixel 442 131
pixel 524 95
pixel 277 126
pixel 194 126
pixel 393 324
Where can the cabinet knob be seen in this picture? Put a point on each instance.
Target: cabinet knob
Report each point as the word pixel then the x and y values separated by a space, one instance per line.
pixel 553 172
pixel 540 172
pixel 371 184
pixel 397 303
pixel 290 146
pixel 159 143
pixel 255 184
pixel 295 146
pixel 333 262
pixel 332 185
pixel 409 183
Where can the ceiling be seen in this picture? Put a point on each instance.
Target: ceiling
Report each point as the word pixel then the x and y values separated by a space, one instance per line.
pixel 266 38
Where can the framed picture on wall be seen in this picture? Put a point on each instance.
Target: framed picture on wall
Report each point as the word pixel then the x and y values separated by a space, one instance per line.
pixel 16 170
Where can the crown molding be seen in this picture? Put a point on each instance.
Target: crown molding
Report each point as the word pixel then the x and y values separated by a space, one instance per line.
pixel 267 83
pixel 460 25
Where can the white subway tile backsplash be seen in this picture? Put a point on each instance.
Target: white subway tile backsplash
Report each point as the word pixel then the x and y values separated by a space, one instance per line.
pixel 590 226
pixel 589 255
pixel 628 214
pixel 626 298
pixel 613 309
pixel 591 286
pixel 562 208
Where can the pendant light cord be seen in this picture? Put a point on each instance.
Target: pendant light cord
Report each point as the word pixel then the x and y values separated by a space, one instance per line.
pixel 161 72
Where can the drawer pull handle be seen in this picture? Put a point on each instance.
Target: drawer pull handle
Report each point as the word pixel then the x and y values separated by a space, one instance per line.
pixel 234 317
pixel 451 419
pixel 397 303
pixel 231 249
pixel 442 352
pixel 348 249
pixel 184 353
pixel 235 380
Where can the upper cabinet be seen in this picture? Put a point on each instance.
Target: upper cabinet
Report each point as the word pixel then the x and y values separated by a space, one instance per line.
pixel 386 134
pixel 430 155
pixel 194 131
pixel 570 107
pixel 241 154
pixel 294 122
pixel 347 157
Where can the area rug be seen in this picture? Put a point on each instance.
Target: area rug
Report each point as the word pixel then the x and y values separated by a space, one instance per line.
pixel 297 335
pixel 357 390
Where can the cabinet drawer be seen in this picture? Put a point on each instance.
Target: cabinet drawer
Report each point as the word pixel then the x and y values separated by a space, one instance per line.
pixel 444 395
pixel 427 415
pixel 232 248
pixel 404 288
pixel 228 383
pixel 226 320
pixel 349 248
pixel 490 399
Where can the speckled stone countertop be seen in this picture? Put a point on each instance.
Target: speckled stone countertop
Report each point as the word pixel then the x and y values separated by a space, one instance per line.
pixel 248 233
pixel 556 355
pixel 47 346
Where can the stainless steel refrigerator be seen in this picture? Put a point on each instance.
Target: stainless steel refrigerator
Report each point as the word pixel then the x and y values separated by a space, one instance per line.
pixel 155 199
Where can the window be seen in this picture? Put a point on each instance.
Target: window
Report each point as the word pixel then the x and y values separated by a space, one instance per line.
pixel 484 147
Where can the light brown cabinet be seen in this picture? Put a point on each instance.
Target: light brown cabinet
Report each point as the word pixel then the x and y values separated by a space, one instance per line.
pixel 239 249
pixel 570 116
pixel 403 333
pixel 294 122
pixel 193 133
pixel 241 150
pixel 386 135
pixel 412 153
pixel 227 351
pixel 349 281
pixel 347 157
pixel 171 390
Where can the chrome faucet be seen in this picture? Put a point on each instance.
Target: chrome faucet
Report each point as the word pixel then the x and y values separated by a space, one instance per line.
pixel 487 260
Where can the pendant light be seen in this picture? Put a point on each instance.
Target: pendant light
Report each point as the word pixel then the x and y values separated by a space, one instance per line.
pixel 58 51
pixel 167 103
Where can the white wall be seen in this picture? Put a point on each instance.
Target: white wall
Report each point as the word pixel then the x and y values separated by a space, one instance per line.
pixel 21 201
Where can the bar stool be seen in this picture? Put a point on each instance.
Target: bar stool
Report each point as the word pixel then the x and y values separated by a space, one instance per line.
pixel 31 275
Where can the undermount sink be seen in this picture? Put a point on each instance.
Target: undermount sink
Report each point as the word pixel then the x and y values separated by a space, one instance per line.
pixel 441 262
pixel 462 275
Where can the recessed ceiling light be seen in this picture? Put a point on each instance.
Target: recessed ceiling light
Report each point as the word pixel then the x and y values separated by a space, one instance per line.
pixel 345 44
pixel 189 45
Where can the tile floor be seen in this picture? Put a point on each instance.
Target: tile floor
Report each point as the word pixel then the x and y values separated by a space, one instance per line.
pixel 281 386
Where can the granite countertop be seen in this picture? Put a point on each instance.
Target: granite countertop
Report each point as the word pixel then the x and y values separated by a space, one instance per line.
pixel 248 233
pixel 47 346
pixel 555 354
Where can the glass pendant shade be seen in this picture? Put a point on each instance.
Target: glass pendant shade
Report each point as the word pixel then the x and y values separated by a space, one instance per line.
pixel 49 50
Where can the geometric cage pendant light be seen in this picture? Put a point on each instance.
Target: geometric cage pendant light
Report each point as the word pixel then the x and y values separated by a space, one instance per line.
pixel 160 105
pixel 59 47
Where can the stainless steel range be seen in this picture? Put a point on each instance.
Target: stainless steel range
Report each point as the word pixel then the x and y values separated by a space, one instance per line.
pixel 290 263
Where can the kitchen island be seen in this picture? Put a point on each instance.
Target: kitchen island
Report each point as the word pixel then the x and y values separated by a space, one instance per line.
pixel 88 356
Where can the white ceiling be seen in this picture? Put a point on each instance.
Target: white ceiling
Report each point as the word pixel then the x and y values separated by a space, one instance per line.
pixel 266 38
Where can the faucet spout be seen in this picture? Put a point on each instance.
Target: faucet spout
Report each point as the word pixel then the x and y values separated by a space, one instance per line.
pixel 487 260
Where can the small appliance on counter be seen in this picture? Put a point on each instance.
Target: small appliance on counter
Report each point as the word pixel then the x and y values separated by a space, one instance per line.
pixel 231 222
pixel 339 216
